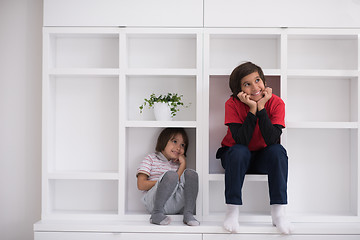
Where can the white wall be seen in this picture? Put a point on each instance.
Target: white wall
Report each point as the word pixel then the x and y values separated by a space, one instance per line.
pixel 20 117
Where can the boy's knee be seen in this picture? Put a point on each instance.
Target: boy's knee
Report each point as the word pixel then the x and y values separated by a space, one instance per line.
pixel 191 174
pixel 240 151
pixel 277 153
pixel 277 149
pixel 239 154
pixel 236 155
pixel 170 176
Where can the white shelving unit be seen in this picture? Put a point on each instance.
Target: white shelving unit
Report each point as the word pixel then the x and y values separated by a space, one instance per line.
pixel 95 79
pixel 307 68
pixel 94 137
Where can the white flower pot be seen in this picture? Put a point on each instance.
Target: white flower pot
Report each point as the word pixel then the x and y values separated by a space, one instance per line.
pixel 162 111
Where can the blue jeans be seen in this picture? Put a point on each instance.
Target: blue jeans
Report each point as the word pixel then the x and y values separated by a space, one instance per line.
pixel 238 160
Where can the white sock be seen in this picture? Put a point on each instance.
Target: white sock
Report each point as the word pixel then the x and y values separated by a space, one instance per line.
pixel 231 222
pixel 279 219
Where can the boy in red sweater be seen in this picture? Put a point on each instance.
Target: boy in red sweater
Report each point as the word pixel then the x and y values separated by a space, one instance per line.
pixel 255 119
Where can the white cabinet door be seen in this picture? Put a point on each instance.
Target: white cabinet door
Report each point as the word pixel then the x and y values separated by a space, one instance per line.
pixel 278 237
pixel 76 236
pixel 145 13
pixel 282 13
pixel 161 236
pixel 113 236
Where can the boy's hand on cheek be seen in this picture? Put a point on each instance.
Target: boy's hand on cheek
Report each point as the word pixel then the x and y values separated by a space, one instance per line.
pixel 265 98
pixel 182 159
pixel 245 98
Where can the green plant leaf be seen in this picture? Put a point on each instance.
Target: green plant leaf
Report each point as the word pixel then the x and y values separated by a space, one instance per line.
pixel 173 99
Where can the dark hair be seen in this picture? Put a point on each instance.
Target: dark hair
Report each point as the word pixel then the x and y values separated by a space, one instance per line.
pixel 169 133
pixel 241 71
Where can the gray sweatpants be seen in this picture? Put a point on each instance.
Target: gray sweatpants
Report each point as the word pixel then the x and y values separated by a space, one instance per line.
pixel 174 204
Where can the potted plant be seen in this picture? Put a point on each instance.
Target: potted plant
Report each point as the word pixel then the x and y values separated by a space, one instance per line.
pixel 165 106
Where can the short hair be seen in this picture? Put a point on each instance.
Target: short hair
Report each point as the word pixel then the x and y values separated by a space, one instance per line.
pixel 241 71
pixel 169 133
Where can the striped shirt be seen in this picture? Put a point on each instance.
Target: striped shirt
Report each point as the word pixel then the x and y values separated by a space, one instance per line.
pixel 155 165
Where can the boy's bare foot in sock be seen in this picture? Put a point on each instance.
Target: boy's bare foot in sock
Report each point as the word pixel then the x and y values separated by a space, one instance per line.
pixel 279 219
pixel 190 220
pixel 231 222
pixel 160 219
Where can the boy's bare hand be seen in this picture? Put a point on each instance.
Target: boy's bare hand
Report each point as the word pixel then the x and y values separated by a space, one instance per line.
pixel 182 160
pixel 245 98
pixel 267 95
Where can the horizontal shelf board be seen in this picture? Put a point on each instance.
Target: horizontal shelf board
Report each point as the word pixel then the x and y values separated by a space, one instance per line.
pixel 80 215
pixel 141 216
pixel 351 125
pixel 178 227
pixel 81 30
pixel 162 31
pixel 162 71
pixel 84 71
pixel 322 73
pixel 248 177
pixel 226 72
pixel 188 124
pixel 84 175
pixel 346 33
pixel 321 218
pixel 244 31
pixel 85 212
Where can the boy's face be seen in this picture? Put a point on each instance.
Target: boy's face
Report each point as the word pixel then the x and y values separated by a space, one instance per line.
pixel 174 148
pixel 253 85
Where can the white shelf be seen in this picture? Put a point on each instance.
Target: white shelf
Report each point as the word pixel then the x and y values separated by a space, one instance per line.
pixel 84 71
pixel 322 51
pixel 307 67
pixel 161 72
pixel 83 50
pixel 142 87
pixel 227 72
pixel 315 104
pixel 95 79
pixel 226 51
pixel 82 196
pixel 163 124
pixel 248 177
pixel 319 125
pixel 206 227
pixel 322 73
pixel 84 175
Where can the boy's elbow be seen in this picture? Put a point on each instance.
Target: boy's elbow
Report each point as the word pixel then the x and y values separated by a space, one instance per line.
pixel 139 186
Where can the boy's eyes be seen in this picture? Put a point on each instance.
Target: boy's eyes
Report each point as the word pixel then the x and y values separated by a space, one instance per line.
pixel 246 84
pixel 175 142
